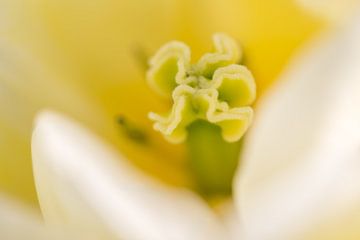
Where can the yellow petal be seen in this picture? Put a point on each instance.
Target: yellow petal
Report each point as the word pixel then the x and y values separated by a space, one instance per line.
pixel 269 32
pixel 100 38
pixel 44 69
pixel 26 84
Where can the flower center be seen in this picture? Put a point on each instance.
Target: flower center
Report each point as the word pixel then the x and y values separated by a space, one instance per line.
pixel 210 107
pixel 215 89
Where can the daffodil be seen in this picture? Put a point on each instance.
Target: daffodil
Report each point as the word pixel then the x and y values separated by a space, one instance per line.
pixel 299 177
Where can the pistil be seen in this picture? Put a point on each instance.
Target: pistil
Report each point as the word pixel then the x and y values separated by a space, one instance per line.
pixel 211 107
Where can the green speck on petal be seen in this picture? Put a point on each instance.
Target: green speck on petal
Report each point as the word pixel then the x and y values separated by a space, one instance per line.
pixel 216 89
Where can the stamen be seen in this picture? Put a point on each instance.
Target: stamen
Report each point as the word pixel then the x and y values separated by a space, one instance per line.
pixel 141 57
pixel 215 89
pixel 131 131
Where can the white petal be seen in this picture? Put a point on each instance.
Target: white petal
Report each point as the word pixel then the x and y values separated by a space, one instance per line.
pixel 300 177
pixel 231 219
pixel 19 223
pixel 84 183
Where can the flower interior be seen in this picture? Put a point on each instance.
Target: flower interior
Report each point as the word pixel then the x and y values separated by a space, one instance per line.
pixel 210 106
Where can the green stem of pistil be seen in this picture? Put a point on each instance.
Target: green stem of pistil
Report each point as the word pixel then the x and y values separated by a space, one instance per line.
pixel 212 160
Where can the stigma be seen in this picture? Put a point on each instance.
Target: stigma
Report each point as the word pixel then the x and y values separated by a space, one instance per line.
pixel 216 89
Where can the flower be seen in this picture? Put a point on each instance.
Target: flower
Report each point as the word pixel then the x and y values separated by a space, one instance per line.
pixel 85 58
pixel 299 178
